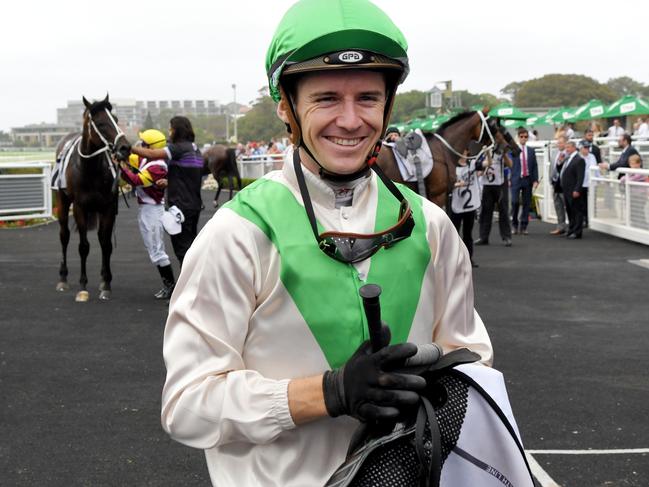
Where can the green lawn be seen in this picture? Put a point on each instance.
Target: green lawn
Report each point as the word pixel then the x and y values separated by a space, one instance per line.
pixel 19 156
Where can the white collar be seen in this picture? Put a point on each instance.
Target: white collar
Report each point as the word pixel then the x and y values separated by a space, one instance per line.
pixel 320 192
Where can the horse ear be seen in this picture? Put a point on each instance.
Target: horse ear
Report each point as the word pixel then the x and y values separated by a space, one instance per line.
pixel 485 109
pixel 106 99
pixel 86 103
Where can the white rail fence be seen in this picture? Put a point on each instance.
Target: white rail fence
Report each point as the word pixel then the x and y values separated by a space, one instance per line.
pixel 25 190
pixel 254 167
pixel 620 206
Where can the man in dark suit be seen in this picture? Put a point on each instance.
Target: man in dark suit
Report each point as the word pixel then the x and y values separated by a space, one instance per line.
pixel 627 151
pixel 525 179
pixel 594 150
pixel 572 180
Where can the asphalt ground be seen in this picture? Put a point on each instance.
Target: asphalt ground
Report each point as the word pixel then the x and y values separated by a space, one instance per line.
pixel 80 383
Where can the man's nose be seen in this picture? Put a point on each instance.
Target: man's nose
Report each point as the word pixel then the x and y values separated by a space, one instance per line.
pixel 349 117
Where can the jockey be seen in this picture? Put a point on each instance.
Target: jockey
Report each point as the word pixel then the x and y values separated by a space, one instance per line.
pixel 268 367
pixel 144 175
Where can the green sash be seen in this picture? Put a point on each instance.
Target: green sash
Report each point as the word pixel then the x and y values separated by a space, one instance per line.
pixel 326 291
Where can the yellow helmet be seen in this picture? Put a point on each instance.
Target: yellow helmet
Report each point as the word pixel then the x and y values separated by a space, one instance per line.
pixel 134 160
pixel 153 138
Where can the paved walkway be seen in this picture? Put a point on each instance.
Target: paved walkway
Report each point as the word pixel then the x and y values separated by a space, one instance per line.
pixel 80 383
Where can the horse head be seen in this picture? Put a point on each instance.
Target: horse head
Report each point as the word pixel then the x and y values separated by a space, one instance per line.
pixel 503 137
pixel 101 129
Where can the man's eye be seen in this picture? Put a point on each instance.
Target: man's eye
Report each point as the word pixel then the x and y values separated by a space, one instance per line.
pixel 326 99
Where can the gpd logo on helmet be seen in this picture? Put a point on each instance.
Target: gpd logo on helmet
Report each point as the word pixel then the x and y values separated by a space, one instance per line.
pixel 350 57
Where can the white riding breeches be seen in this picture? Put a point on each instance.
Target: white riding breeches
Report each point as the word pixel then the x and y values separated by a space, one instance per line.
pixel 150 220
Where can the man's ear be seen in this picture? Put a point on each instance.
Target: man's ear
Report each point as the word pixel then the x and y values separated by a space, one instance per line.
pixel 283 110
pixel 286 115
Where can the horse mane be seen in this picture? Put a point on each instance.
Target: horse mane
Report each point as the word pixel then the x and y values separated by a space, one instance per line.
pixel 456 118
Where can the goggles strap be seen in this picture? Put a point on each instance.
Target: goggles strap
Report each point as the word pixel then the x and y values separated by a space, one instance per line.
pixel 304 191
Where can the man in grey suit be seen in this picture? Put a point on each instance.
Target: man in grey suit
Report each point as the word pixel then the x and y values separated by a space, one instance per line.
pixel 572 180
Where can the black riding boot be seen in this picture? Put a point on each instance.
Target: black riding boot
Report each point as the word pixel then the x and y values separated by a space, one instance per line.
pixel 168 282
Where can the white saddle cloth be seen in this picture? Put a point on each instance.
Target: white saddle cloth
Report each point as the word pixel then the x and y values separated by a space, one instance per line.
pixel 407 164
pixel 58 175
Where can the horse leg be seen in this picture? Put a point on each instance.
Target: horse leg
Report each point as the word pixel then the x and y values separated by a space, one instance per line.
pixel 84 250
pixel 64 236
pixel 216 196
pixel 105 232
pixel 231 184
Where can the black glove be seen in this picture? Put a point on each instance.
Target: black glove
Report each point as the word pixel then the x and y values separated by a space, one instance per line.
pixel 367 388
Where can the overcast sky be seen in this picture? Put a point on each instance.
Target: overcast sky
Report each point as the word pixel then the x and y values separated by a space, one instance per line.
pixel 51 52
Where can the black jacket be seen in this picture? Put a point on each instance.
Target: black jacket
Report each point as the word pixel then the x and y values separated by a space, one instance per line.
pixel 623 161
pixel 572 176
pixel 596 152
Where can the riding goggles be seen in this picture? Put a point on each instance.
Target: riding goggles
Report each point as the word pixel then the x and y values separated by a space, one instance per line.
pixel 351 248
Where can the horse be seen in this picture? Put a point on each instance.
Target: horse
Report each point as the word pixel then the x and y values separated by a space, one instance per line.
pixel 92 179
pixel 222 162
pixel 447 145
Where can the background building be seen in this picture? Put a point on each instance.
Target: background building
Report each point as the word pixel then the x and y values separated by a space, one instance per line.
pixel 40 134
pixel 132 113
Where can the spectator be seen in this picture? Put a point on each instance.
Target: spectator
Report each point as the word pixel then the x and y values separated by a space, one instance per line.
pixel 589 161
pixel 278 144
pixel 589 136
pixel 273 149
pixel 186 169
pixel 628 150
pixel 557 192
pixel 495 192
pixel 572 181
pixel 643 128
pixel 596 128
pixel 392 135
pixel 616 130
pixel 525 179
pixel 570 131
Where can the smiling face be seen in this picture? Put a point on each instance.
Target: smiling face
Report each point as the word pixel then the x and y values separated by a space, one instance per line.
pixel 341 117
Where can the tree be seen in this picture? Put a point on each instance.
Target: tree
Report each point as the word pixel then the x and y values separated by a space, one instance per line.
pixel 406 105
pixel 469 99
pixel 261 122
pixel 511 89
pixel 624 85
pixel 560 90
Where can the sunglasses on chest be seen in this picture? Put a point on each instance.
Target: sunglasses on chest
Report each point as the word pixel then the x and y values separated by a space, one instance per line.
pixel 351 248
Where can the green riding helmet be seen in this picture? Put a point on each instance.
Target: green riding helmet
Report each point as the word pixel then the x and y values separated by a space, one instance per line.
pixel 319 35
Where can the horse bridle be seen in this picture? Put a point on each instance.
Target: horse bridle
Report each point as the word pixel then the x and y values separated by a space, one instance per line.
pixel 484 127
pixel 108 146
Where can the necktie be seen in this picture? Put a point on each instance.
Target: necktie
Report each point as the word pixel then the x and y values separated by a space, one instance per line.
pixel 524 161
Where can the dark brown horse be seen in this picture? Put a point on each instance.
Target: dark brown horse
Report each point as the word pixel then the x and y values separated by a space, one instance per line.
pixel 447 145
pixel 222 162
pixel 91 188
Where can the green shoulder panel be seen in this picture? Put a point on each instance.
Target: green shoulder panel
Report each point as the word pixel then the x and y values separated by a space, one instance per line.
pixel 325 291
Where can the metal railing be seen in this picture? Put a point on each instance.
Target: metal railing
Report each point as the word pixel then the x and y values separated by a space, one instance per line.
pixel 620 207
pixel 254 167
pixel 25 190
